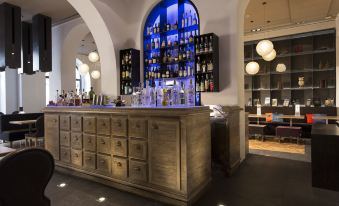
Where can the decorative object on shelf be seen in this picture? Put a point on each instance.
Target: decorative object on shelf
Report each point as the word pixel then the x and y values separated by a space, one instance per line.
pixel 323 83
pixel 329 102
pixel 286 103
pixel 269 57
pixel 301 82
pixel 130 71
pixel 267 101
pixel 93 57
pixel 83 69
pixel 265 47
pixel 95 74
pixel 317 102
pixel 308 102
pixel 249 102
pixel 119 102
pixel 252 68
pixel 274 102
pixel 281 68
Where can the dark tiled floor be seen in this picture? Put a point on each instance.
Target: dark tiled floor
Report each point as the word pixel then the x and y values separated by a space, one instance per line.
pixel 259 181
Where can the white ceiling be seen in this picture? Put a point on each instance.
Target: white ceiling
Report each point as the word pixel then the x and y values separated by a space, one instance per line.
pixel 87 45
pixel 282 13
pixel 58 10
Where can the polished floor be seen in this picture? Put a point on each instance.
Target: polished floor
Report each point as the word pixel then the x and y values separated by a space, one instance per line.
pixel 260 181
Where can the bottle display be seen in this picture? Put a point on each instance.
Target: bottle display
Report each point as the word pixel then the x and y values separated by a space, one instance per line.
pixel 130 69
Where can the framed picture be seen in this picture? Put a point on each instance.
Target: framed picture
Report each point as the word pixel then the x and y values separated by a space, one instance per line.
pixel 274 102
pixel 308 102
pixel 267 101
pixel 286 103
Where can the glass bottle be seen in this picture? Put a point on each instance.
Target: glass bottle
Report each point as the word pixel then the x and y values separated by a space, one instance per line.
pixel 211 44
pixel 182 94
pixel 198 66
pixel 202 84
pixel 190 94
pixel 175 94
pixel 207 83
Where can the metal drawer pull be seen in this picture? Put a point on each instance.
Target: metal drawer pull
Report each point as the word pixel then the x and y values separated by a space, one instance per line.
pixel 65 121
pixel 89 123
pixel 137 169
pixel 103 142
pixel 138 147
pixel 119 124
pixel 119 164
pixel 76 122
pixel 118 144
pixel 88 158
pixel 76 155
pixel 65 137
pixel 155 127
pixel 103 124
pixel 55 120
pixel 65 153
pixel 76 138
pixel 102 161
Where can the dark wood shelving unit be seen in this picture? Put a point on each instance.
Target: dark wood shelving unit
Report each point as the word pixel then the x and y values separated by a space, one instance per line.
pixel 208 57
pixel 310 55
pixel 130 62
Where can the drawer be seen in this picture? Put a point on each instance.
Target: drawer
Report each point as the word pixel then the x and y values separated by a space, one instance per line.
pixel 65 139
pixel 76 157
pixel 137 127
pixel 89 160
pixel 65 122
pixel 89 125
pixel 138 149
pixel 119 168
pixel 119 147
pixel 76 140
pixel 137 171
pixel 104 164
pixel 76 123
pixel 103 125
pixel 104 145
pixel 119 126
pixel 65 154
pixel 90 142
pixel 52 142
pixel 52 121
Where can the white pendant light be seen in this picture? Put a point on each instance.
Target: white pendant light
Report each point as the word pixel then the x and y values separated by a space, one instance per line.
pixel 95 74
pixel 264 47
pixel 83 69
pixel 252 68
pixel 269 57
pixel 93 57
pixel 281 68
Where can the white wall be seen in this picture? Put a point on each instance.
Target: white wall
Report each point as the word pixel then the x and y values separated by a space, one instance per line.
pixel 11 91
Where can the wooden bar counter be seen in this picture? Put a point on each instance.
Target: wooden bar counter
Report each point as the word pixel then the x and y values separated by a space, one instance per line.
pixel 158 153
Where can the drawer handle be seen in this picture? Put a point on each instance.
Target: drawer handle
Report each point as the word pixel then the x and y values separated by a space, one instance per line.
pixel 76 138
pixel 138 147
pixel 118 144
pixel 89 123
pixel 89 158
pixel 103 124
pixel 103 142
pixel 155 127
pixel 119 124
pixel 76 122
pixel 76 155
pixel 137 169
pixel 65 137
pixel 55 121
pixel 119 164
pixel 89 141
pixel 102 161
pixel 65 121
pixel 65 153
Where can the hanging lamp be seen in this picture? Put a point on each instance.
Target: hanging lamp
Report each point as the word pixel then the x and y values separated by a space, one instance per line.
pixel 252 68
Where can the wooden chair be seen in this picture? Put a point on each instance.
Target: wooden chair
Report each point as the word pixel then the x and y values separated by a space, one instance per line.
pixel 25 175
pixel 38 134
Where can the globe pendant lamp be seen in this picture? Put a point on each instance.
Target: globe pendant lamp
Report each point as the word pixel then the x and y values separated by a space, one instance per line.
pixel 252 68
pixel 93 57
pixel 269 57
pixel 83 69
pixel 95 74
pixel 281 68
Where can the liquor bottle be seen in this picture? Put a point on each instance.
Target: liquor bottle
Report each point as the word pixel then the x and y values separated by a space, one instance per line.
pixel 185 71
pixel 176 41
pixel 126 89
pixel 153 44
pixel 197 84
pixel 210 66
pixel 91 93
pixel 190 94
pixel 165 99
pixel 159 94
pixel 197 46
pixel 184 54
pixel 168 26
pixel 175 25
pixel 189 72
pixel 198 66
pixel 159 74
pixel 169 43
pixel 206 44
pixel 163 44
pixel 191 39
pixel 126 73
pixel 153 95
pixel 123 73
pixel 180 72
pixel 186 20
pixel 211 84
pixel 175 94
pixel 130 57
pixel 207 84
pixel 158 28
pixel 203 66
pixel 155 29
pixel 130 72
pixel 211 44
pixel 168 72
pixel 156 44
pixel 195 19
pixel 146 75
pixel 188 54
pixel 180 55
pixel 182 94
pixel 202 45
pixel 202 84
pixel 190 18
pixel 182 39
pixel 148 30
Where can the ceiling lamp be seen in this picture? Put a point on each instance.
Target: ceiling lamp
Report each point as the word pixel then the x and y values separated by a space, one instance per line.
pixel 264 47
pixel 269 57
pixel 281 68
pixel 93 57
pixel 252 68
pixel 95 74
pixel 83 69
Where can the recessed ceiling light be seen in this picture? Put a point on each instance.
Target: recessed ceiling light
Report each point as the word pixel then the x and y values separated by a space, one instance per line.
pixel 62 185
pixel 101 199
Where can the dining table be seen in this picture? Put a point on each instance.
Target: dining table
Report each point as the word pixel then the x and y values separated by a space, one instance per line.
pixel 258 117
pixel 291 118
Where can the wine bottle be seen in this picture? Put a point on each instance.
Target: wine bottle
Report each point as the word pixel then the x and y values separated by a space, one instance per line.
pixel 197 46
pixel 190 94
pixel 206 44
pixel 202 45
pixel 190 18
pixel 207 83
pixel 211 44
pixel 198 66
pixel 183 21
pixel 202 84
pixel 182 94
pixel 195 19
pixel 211 84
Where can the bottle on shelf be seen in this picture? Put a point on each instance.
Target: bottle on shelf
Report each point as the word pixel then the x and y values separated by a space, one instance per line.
pixel 198 65
pixel 168 26
pixel 211 83
pixel 183 20
pixel 191 39
pixel 202 84
pixel 126 73
pixel 186 20
pixel 175 94
pixel 190 94
pixel 153 44
pixel 123 73
pixel 195 19
pixel 206 44
pixel 197 83
pixel 182 94
pixel 190 18
pixel 207 83
pixel 202 45
pixel 210 66
pixel 211 44
pixel 203 66
pixel 182 39
pixel 197 46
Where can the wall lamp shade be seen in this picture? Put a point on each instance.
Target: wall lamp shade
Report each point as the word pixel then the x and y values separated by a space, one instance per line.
pixel 264 47
pixel 83 69
pixel 95 74
pixel 252 68
pixel 281 68
pixel 269 57
pixel 93 57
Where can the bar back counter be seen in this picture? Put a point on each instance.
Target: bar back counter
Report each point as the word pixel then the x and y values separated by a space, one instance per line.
pixel 159 153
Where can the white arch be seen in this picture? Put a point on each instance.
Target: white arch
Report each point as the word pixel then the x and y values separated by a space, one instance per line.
pixel 104 41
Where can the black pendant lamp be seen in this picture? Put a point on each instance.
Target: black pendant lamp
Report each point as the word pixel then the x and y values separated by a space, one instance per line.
pixel 27 49
pixel 10 36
